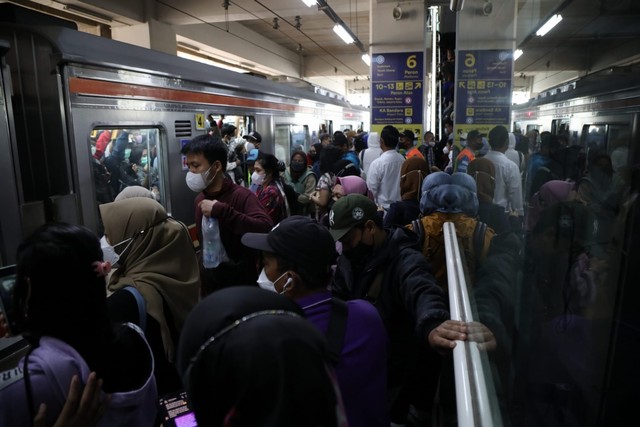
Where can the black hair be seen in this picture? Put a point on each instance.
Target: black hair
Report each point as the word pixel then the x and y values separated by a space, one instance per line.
pixel 135 157
pixel 72 308
pixel 340 139
pixel 390 136
pixel 345 167
pixel 270 164
pixel 329 155
pixel 227 129
pixel 211 147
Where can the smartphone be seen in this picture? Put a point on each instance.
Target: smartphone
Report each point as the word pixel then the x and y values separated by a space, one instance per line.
pixel 7 283
pixel 175 412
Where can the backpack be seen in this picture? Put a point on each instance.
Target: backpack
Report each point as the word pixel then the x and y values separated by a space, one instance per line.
pixel 474 235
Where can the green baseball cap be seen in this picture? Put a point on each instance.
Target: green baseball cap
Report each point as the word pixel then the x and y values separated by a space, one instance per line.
pixel 350 211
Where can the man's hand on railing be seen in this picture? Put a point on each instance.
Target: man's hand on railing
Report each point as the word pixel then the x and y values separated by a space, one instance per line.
pixel 479 333
pixel 443 338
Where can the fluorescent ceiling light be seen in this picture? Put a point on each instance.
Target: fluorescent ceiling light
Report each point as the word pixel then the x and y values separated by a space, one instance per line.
pixel 309 2
pixel 517 54
pixel 366 58
pixel 548 26
pixel 346 37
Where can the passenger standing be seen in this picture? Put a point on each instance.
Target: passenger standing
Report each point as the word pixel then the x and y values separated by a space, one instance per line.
pixel 483 172
pixel 354 330
pixel 384 267
pixel 372 152
pixel 329 156
pixel 401 213
pixel 249 358
pixel 508 193
pixel 71 334
pixel 236 208
pixel 473 145
pixel 270 191
pixel 406 147
pixel 428 150
pixel 383 178
pixel 228 133
pixel 340 140
pixel 156 258
pixel 303 180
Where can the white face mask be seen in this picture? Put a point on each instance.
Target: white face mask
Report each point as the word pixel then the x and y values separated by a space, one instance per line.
pixel 199 181
pixel 445 150
pixel 432 143
pixel 109 253
pixel 257 178
pixel 265 283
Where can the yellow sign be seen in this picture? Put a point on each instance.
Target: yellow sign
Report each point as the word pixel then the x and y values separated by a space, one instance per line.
pixel 200 121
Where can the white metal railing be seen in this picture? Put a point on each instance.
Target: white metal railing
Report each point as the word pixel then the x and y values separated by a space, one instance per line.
pixel 472 394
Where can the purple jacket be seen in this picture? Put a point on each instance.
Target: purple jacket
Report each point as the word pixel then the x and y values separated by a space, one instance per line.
pixel 52 365
pixel 362 369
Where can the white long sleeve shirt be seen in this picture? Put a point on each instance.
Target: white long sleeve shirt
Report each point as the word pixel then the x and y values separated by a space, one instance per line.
pixel 508 192
pixel 383 178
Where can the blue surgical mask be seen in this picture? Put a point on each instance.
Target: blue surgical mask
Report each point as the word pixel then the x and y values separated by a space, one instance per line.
pixel 144 160
pixel 127 153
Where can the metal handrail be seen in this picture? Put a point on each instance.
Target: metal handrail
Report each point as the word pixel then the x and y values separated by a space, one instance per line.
pixel 472 395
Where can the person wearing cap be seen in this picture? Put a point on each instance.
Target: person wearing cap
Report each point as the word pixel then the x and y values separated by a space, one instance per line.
pixel 384 266
pixel 228 133
pixel 473 144
pixel 383 178
pixel 302 272
pixel 255 138
pixel 341 141
pixel 405 145
pixel 236 208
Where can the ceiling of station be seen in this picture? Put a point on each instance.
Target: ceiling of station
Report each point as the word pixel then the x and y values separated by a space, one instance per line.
pixel 593 35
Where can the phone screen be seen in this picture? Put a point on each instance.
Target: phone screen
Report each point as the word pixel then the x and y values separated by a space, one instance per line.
pixel 175 411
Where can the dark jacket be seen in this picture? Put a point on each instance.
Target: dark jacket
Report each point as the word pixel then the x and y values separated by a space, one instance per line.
pixel 238 211
pixel 410 303
pixel 402 212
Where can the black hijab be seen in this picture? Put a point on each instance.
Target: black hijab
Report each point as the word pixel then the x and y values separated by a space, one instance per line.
pixel 266 366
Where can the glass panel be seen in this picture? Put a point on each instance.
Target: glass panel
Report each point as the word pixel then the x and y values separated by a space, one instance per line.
pixel 300 140
pixel 283 142
pixel 123 158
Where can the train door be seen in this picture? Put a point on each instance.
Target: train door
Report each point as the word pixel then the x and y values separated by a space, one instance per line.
pixel 290 138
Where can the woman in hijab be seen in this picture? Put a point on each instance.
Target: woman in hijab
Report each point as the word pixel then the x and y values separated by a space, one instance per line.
pixel 412 173
pixel 483 172
pixel 550 193
pixel 249 358
pixel 156 257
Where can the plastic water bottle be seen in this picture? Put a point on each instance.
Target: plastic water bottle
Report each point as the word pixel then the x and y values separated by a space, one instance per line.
pixel 211 240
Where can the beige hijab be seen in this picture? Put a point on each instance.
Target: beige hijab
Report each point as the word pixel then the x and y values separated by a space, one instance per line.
pixel 160 261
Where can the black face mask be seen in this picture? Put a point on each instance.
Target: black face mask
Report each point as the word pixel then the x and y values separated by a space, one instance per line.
pixel 359 252
pixel 298 166
pixel 313 156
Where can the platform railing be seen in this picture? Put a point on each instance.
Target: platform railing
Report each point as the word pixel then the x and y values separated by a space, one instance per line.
pixel 472 393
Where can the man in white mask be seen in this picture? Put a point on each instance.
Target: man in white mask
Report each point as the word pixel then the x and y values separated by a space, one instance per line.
pixel 237 209
pixel 354 329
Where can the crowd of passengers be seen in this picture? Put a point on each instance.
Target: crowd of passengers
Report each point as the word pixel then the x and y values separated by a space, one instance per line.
pixel 331 305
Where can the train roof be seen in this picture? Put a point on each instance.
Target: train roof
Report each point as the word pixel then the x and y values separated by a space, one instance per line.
pixel 609 81
pixel 83 48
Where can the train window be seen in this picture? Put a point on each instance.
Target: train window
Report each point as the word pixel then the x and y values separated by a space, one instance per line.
pixel 533 127
pixel 290 138
pixel 122 158
pixel 593 139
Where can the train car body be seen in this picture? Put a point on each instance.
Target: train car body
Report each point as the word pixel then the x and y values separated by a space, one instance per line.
pixel 61 88
pixel 600 111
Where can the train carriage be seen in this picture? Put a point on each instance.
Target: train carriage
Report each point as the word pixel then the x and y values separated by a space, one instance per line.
pixel 61 87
